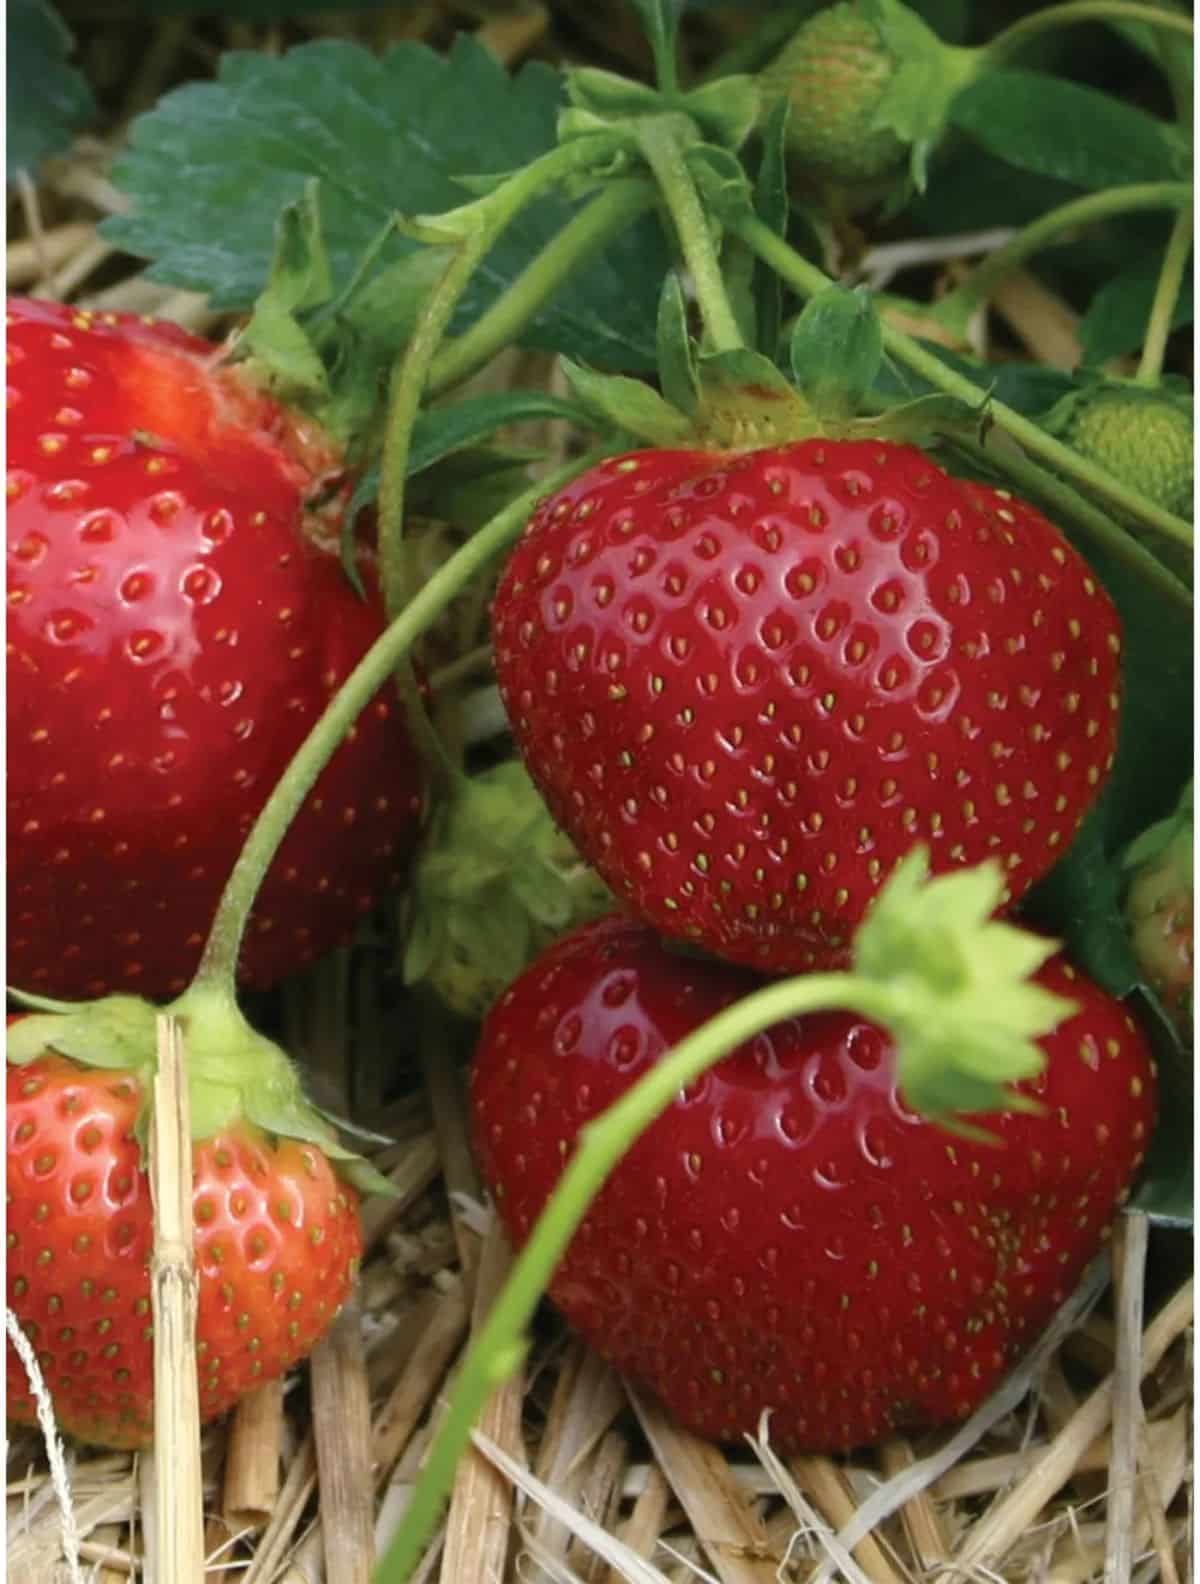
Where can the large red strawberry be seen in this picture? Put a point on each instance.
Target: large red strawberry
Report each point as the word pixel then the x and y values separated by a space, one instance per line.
pixel 747 683
pixel 277 1243
pixel 177 621
pixel 788 1235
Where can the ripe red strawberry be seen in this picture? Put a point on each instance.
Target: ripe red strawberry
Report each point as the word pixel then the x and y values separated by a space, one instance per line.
pixel 277 1242
pixel 788 1234
pixel 177 621
pixel 747 683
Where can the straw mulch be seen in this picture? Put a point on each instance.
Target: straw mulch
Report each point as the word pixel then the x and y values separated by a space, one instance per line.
pixel 1083 1473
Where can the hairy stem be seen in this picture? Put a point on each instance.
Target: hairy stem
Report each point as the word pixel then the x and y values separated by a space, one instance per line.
pixel 807 279
pixel 1166 295
pixel 1055 16
pixel 979 285
pixel 489 217
pixel 602 1142
pixel 659 137
pixel 602 219
pixel 218 964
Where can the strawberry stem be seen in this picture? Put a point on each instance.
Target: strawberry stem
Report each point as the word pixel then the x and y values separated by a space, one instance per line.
pixel 476 227
pixel 660 139
pixel 979 285
pixel 1014 37
pixel 596 224
pixel 219 960
pixel 806 279
pixel 1166 295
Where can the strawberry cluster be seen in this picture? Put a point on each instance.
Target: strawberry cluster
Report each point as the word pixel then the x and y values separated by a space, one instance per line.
pixel 747 684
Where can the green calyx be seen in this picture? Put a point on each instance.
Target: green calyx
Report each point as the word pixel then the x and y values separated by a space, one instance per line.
pixel 234 1074
pixel 1144 437
pixel 959 996
pixel 870 87
pixel 740 400
pixel 495 883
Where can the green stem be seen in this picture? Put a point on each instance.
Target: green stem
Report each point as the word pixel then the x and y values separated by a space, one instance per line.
pixel 602 1142
pixel 606 216
pixel 1166 294
pixel 1176 63
pixel 1055 16
pixel 979 285
pixel 219 961
pixel 489 217
pixel 660 141
pixel 807 279
pixel 405 390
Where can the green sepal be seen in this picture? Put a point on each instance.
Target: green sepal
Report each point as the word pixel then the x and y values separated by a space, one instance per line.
pixel 626 405
pixel 921 421
pixel 609 96
pixel 726 110
pixel 722 180
pixel 960 1003
pixel 676 349
pixel 836 350
pixel 116 1033
pixel 915 105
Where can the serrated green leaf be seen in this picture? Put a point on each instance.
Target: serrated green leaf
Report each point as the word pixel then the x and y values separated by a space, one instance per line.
pixel 210 168
pixel 1063 130
pixel 1116 319
pixel 49 100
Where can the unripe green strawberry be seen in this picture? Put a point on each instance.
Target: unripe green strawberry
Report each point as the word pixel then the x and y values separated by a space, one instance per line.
pixel 835 70
pixel 1159 910
pixel 1142 437
pixel 869 86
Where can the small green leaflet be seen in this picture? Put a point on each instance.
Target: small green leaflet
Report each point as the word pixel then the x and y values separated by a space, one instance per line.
pixel 48 99
pixel 1063 130
pixel 212 166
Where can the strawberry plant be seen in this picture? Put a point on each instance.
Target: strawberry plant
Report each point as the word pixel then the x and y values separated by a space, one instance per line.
pixel 772 775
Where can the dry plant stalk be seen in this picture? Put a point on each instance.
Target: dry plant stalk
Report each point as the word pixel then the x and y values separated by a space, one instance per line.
pixel 419 1380
pixel 644 1525
pixel 251 1485
pixel 718 1509
pixel 342 1419
pixel 1129 1277
pixel 825 1484
pixel 919 1516
pixel 178 1496
pixel 479 1521
pixel 990 1540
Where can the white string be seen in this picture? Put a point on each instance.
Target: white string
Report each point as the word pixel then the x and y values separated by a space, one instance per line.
pixel 54 1446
